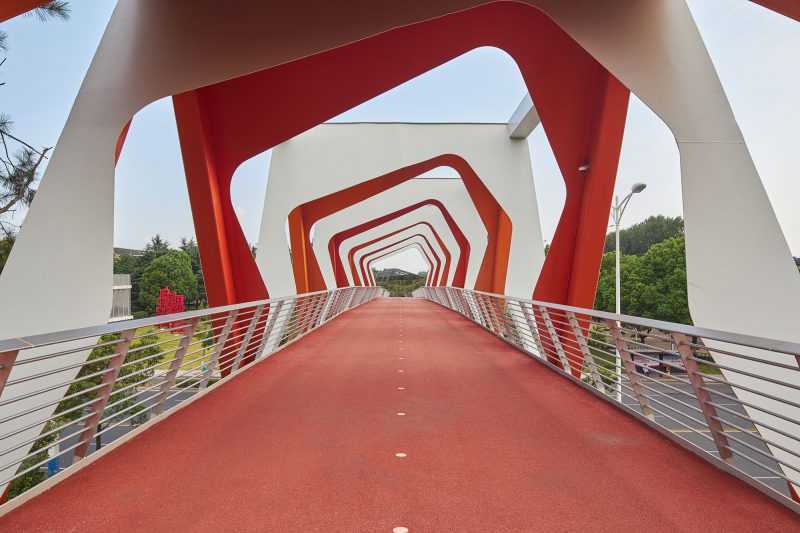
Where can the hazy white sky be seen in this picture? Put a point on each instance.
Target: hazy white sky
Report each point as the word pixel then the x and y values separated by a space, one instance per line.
pixel 756 53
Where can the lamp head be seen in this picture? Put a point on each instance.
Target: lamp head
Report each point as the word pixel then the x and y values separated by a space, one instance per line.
pixel 638 187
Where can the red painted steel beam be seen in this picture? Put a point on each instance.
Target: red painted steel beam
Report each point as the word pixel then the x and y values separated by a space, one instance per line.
pixel 438 272
pixel 789 8
pixel 12 8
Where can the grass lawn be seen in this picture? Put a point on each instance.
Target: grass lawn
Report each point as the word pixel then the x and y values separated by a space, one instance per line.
pixel 197 359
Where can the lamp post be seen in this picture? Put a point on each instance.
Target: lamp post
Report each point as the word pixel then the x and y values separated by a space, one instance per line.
pixel 616 212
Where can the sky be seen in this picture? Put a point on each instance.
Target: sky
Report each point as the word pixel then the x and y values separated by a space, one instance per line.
pixel 756 53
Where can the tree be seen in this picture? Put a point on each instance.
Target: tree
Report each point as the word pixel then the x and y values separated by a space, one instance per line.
pixel 6 243
pixel 173 270
pixel 651 286
pixel 664 293
pixel 630 284
pixel 155 248
pixel 638 238
pixel 190 247
pixel 135 266
pixel 19 160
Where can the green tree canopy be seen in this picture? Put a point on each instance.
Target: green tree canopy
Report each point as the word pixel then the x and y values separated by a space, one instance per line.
pixel 663 276
pixel 651 286
pixel 190 247
pixel 638 238
pixel 173 270
pixel 630 284
pixel 6 243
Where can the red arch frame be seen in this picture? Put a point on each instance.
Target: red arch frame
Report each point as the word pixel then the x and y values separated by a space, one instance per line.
pixel 435 279
pixel 427 259
pixel 492 273
pixel 335 243
pixel 443 270
pixel 369 264
pixel 581 105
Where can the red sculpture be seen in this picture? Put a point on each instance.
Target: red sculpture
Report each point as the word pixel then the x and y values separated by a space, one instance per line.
pixel 170 303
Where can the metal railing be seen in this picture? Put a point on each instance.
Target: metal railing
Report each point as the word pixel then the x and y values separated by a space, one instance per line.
pixel 63 395
pixel 732 399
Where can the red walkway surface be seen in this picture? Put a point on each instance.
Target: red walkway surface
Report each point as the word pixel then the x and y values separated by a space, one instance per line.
pixel 306 441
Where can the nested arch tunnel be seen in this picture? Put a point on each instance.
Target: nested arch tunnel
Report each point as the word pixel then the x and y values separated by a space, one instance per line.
pixel 442 279
pixel 448 256
pixel 414 241
pixel 366 259
pixel 494 170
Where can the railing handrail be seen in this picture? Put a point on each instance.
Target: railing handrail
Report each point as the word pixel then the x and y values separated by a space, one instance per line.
pixel 137 375
pixel 734 394
pixel 752 341
pixel 44 339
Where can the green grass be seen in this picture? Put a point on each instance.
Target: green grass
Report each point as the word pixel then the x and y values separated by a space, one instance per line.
pixel 169 347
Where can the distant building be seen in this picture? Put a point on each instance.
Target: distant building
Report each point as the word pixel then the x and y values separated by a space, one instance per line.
pixel 121 297
pixel 123 252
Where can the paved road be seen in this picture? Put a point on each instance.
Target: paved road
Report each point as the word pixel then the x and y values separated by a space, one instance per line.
pixel 399 414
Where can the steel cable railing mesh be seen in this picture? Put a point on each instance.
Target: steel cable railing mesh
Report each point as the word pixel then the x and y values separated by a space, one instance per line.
pixel 732 398
pixel 65 395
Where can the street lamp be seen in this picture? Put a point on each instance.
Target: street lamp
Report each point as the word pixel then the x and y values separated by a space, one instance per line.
pixel 616 212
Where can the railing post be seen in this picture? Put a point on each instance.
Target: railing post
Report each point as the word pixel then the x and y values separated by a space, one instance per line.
pixel 463 302
pixel 473 306
pixel 309 304
pixel 494 311
pixel 562 355
pixel 7 360
pixel 534 329
pixel 319 307
pixel 350 298
pixel 502 312
pixel 484 313
pixel 597 378
pixel 341 298
pixel 337 298
pixel 327 308
pixel 630 368
pixel 268 329
pixel 703 397
pixel 103 394
pixel 174 367
pixel 247 336
pixel 455 296
pixel 287 319
pixel 218 347
pixel 450 304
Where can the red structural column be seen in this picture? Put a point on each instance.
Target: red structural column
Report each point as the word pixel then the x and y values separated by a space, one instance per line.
pixel 229 270
pixel 570 272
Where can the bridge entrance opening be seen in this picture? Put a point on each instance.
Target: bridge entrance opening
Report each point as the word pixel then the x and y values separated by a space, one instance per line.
pixel 402 272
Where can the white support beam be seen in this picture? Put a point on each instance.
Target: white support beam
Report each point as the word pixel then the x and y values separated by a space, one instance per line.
pixel 524 120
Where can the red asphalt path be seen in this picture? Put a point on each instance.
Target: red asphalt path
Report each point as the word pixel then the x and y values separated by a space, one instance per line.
pixel 306 441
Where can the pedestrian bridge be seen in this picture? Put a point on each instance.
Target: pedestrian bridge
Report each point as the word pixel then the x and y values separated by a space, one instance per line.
pixel 402 414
